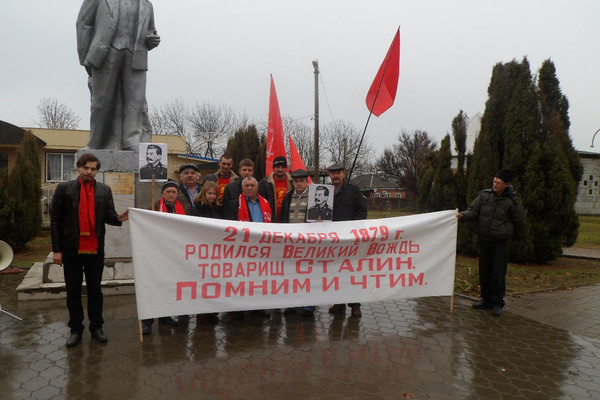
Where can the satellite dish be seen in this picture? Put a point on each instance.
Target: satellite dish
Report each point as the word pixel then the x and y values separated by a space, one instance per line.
pixel 6 255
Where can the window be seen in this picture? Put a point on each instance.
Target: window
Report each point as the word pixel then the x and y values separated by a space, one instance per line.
pixel 398 196
pixel 591 191
pixel 3 160
pixel 59 166
pixel 591 177
pixel 377 195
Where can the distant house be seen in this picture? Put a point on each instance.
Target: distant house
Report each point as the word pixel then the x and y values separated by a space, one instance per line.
pixel 380 192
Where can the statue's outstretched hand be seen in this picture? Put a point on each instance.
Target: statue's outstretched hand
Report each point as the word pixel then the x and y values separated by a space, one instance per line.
pixel 152 40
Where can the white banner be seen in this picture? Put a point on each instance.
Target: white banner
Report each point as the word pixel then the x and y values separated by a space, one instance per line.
pixel 192 265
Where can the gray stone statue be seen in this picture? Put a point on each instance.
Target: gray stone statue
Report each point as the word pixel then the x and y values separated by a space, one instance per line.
pixel 113 39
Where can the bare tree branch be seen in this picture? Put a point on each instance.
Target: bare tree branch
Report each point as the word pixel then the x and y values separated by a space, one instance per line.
pixel 55 116
pixel 340 140
pixel 212 126
pixel 404 163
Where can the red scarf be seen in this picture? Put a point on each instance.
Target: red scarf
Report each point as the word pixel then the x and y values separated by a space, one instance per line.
pixel 243 214
pixel 88 242
pixel 162 207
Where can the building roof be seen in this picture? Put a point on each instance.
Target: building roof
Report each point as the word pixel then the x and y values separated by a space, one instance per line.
pixel 13 135
pixel 588 154
pixel 62 139
pixel 373 181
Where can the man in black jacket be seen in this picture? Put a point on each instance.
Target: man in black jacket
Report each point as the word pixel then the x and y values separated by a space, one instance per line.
pixel 80 208
pixel 348 205
pixel 497 211
pixel 274 186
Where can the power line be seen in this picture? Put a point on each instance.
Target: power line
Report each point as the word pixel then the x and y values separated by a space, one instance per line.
pixel 325 93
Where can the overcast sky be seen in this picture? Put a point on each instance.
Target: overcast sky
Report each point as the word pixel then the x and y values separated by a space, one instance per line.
pixel 222 52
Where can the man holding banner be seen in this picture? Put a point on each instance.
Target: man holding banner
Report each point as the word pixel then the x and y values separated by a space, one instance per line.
pixel 80 209
pixel 293 210
pixel 498 211
pixel 251 207
pixel 169 204
pixel 348 205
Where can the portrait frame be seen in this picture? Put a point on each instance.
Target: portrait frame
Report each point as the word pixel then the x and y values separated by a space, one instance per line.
pixel 320 203
pixel 161 173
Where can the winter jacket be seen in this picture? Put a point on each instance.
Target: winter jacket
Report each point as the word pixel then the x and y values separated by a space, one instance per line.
pixel 349 204
pixel 266 188
pixel 496 216
pixel 64 215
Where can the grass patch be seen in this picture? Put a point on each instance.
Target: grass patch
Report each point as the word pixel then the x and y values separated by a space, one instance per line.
pixel 589 232
pixel 562 273
pixel 389 213
pixel 35 251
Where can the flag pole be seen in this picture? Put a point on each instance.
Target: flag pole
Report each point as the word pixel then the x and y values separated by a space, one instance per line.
pixel 366 125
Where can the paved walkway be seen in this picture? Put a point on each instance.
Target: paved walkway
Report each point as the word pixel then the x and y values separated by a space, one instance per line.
pixel 545 346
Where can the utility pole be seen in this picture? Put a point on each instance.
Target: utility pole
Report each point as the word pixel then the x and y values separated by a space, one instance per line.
pixel 316 118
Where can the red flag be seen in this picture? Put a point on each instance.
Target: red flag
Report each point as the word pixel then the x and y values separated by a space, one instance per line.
pixel 275 139
pixel 382 93
pixel 296 160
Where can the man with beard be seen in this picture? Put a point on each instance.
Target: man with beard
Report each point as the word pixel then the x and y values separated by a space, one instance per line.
pixel 80 209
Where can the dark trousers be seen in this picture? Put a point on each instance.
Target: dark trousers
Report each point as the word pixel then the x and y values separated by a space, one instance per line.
pixel 492 270
pixel 74 267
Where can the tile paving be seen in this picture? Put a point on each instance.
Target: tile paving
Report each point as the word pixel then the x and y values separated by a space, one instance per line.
pixel 545 346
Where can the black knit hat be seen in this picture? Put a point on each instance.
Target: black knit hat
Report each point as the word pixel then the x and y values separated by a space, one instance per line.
pixel 505 175
pixel 168 184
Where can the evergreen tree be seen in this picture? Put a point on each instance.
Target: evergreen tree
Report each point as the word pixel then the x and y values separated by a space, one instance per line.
pixel 245 143
pixel 459 133
pixel 547 191
pixel 554 108
pixel 441 195
pixel 6 215
pixel 24 194
pixel 427 177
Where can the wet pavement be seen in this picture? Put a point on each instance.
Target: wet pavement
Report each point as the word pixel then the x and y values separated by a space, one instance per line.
pixel 545 346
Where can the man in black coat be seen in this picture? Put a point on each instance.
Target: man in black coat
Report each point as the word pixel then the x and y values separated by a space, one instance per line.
pixel 348 205
pixel 498 212
pixel 80 208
